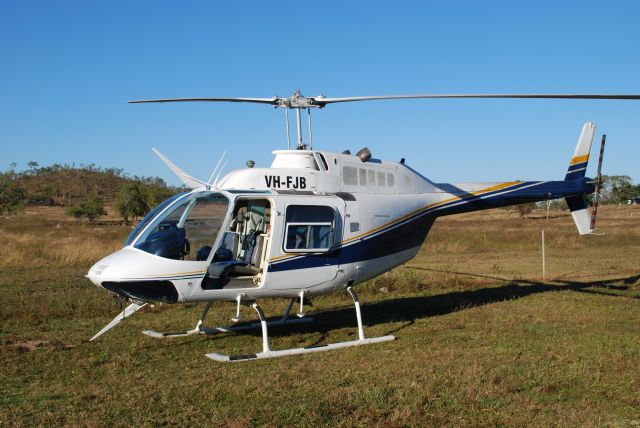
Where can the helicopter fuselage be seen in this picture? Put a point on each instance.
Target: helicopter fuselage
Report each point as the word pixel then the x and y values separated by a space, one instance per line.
pixel 315 222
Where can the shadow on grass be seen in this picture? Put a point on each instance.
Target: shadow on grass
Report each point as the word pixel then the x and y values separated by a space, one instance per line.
pixel 407 310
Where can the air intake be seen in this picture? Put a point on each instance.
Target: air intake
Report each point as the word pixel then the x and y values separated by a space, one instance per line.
pixel 364 154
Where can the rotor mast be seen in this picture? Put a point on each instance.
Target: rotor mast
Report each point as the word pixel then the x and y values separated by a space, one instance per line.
pixel 298 102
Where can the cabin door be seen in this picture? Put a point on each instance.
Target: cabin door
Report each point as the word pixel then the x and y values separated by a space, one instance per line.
pixel 350 251
pixel 308 253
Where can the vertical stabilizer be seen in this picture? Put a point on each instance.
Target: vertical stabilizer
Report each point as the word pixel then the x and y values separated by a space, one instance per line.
pixel 580 158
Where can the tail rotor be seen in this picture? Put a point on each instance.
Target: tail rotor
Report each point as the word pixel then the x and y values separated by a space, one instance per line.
pixel 598 184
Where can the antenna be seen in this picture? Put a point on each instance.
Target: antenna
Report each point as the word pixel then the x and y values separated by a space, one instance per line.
pixel 221 169
pixel 217 165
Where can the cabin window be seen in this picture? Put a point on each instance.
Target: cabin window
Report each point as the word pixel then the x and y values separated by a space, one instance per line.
pixel 350 175
pixel 309 228
pixel 363 176
pixel 390 179
pixel 324 162
pixel 381 179
pixel 407 183
pixel 371 177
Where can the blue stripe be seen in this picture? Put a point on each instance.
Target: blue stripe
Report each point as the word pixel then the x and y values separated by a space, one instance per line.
pixel 411 232
pixel 576 171
pixel 470 198
pixel 577 166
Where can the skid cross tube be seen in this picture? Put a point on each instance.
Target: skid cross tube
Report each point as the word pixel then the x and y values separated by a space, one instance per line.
pixel 268 353
pixel 200 329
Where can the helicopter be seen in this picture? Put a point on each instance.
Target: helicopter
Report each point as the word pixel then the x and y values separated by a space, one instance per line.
pixel 314 222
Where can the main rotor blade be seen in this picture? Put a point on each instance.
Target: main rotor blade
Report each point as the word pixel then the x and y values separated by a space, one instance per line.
pixel 321 101
pixel 298 101
pixel 270 101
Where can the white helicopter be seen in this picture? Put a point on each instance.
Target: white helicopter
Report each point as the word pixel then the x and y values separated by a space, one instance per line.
pixel 315 222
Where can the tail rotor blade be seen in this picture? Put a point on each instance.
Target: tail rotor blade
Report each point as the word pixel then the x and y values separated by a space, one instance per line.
pixel 596 196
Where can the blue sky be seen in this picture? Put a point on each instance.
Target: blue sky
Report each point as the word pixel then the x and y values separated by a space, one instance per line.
pixel 69 67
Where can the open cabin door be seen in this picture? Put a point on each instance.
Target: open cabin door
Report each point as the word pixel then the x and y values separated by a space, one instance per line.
pixel 240 258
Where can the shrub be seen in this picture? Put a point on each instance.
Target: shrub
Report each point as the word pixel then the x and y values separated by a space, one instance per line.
pixel 92 208
pixel 131 202
pixel 11 196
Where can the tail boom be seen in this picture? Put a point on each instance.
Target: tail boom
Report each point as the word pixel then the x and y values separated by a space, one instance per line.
pixel 573 188
pixel 496 195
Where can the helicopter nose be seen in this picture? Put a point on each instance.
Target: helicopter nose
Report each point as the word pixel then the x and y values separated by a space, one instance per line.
pixel 95 272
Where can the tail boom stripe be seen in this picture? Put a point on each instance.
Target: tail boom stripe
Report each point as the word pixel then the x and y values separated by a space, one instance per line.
pixel 580 159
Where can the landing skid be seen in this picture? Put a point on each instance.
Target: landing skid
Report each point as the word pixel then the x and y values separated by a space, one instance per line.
pixel 268 353
pixel 199 329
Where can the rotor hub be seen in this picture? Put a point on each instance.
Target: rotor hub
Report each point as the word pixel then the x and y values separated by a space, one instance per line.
pixel 299 101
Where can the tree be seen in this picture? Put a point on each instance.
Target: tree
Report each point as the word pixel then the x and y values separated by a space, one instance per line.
pixel 75 212
pixel 158 193
pixel 131 202
pixel 92 208
pixel 33 166
pixel 617 189
pixel 11 196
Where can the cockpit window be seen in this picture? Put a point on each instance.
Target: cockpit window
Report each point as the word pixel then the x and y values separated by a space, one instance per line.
pixel 187 230
pixel 154 212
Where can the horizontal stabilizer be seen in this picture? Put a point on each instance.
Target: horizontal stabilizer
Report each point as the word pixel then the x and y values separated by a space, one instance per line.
pixel 191 182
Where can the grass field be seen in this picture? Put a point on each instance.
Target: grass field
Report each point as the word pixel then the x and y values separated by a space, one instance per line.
pixel 482 339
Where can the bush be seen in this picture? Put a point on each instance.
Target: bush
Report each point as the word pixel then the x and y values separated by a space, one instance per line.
pixel 92 208
pixel 131 202
pixel 11 196
pixel 75 212
pixel 525 209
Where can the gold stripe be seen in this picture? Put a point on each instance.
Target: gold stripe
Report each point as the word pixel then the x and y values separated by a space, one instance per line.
pixel 282 257
pixel 177 273
pixel 579 159
pixel 400 219
pixel 435 204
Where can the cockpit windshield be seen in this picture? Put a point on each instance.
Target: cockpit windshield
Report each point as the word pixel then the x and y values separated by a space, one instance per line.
pixel 187 230
pixel 150 216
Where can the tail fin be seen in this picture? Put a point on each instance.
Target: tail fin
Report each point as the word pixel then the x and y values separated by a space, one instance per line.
pixel 580 213
pixel 577 169
pixel 578 164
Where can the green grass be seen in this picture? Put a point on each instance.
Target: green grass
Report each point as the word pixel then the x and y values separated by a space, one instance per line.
pixel 481 340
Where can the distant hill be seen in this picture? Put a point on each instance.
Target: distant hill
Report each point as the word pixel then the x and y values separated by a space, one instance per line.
pixel 66 185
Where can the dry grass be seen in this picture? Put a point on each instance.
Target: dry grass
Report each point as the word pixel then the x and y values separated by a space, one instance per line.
pixel 482 339
pixel 45 236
